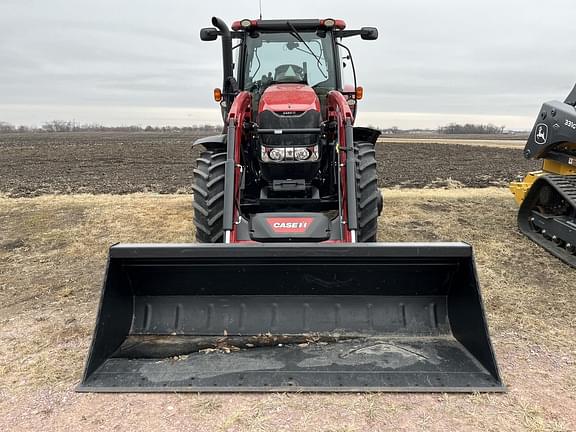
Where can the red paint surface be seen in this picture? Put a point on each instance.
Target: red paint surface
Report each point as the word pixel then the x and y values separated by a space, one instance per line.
pixel 339 110
pixel 239 112
pixel 289 97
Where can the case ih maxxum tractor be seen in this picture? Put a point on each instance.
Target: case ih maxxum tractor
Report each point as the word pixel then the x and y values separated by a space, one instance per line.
pixel 291 166
pixel 287 289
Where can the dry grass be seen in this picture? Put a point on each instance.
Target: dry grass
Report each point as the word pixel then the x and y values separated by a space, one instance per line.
pixel 52 253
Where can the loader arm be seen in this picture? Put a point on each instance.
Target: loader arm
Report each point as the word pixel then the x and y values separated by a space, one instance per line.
pixel 339 112
pixel 238 115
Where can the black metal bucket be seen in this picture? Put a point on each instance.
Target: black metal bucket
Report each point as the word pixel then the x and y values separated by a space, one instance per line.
pixel 291 317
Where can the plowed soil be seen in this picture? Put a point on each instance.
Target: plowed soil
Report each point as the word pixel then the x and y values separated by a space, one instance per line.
pixel 120 163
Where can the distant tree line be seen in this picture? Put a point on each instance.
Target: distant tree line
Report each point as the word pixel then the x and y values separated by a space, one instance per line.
pixel 468 128
pixel 70 126
pixel 452 128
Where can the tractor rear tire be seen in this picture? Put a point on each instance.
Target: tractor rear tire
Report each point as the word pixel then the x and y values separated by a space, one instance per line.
pixel 208 201
pixel 367 193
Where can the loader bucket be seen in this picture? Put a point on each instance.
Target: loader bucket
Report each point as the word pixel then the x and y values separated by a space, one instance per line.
pixel 291 317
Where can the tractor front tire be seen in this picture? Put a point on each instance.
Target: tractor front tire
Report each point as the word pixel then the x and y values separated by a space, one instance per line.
pixel 367 193
pixel 209 197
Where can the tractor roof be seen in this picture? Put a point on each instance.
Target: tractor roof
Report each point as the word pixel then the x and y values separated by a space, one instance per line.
pixel 289 24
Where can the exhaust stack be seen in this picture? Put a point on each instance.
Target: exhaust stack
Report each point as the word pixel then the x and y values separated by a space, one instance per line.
pixel 228 72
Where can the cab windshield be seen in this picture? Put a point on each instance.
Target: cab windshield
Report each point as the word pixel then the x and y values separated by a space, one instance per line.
pixel 306 57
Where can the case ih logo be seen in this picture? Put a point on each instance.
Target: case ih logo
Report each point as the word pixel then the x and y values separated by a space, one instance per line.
pixel 290 225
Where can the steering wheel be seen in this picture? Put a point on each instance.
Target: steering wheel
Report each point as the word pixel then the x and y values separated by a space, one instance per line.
pixel 289 73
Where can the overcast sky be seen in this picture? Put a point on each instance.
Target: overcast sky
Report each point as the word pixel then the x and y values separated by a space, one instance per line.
pixel 141 61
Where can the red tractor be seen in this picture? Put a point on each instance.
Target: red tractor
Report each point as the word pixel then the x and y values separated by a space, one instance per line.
pixel 280 299
pixel 289 166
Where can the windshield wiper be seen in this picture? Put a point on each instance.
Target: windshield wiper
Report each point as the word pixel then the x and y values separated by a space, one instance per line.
pixel 299 37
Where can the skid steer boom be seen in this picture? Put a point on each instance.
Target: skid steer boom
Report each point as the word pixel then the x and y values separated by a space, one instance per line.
pixel 291 317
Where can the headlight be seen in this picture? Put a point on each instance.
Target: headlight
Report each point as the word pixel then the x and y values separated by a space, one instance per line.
pixel 290 154
pixel 276 154
pixel 329 22
pixel 301 154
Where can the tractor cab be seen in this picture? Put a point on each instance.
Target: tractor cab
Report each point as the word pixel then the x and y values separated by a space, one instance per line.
pixel 291 52
pixel 294 61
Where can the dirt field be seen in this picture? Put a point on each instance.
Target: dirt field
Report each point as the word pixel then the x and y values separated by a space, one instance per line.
pixel 52 254
pixel 119 163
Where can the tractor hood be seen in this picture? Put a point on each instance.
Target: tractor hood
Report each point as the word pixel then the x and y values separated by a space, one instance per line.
pixel 289 99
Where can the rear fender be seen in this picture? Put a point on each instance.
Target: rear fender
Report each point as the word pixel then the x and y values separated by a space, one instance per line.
pixel 365 134
pixel 214 143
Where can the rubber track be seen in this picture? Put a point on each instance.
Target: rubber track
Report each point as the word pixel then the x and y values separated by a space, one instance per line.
pixel 564 186
pixel 208 202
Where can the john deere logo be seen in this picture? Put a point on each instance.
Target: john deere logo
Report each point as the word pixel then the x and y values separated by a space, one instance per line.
pixel 541 133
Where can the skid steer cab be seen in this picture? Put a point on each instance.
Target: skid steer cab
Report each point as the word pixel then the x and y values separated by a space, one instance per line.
pixel 289 291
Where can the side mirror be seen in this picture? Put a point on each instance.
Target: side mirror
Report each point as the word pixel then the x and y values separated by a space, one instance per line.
pixel 369 33
pixel 209 34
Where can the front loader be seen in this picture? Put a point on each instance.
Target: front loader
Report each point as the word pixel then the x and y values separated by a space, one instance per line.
pixel 547 197
pixel 287 288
